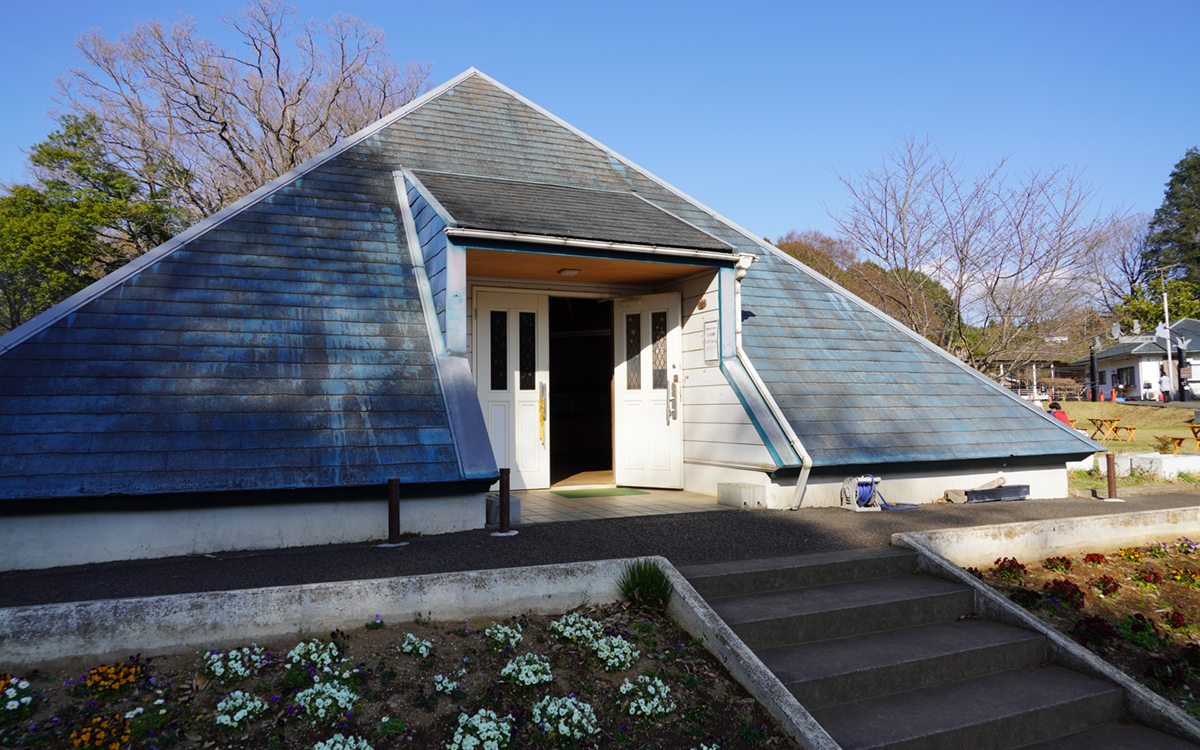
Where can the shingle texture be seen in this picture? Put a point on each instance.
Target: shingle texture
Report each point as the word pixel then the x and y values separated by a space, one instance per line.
pixel 579 213
pixel 857 390
pixel 286 347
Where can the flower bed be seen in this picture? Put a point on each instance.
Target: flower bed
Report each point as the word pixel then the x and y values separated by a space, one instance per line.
pixel 608 677
pixel 1136 607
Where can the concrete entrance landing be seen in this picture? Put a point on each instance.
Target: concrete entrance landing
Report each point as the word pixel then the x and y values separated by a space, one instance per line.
pixel 543 506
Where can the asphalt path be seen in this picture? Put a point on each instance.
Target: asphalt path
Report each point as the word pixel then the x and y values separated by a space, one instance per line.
pixel 684 539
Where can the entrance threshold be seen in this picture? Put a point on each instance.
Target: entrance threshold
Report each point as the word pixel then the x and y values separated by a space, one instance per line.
pixel 543 506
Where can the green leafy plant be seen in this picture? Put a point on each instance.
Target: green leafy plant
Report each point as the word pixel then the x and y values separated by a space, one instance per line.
pixel 644 583
pixel 376 624
pixel 1063 592
pixel 1058 564
pixel 1105 586
pixel 1027 598
pixel 1095 632
pixel 1139 631
pixel 1095 558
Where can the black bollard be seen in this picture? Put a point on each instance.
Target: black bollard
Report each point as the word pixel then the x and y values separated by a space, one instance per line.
pixel 505 501
pixel 393 511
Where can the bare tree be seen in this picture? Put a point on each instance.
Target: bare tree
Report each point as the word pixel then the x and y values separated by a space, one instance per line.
pixel 1119 264
pixel 212 124
pixel 1008 251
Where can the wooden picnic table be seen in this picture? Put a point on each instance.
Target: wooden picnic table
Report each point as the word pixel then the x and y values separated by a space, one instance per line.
pixel 1130 433
pixel 1105 428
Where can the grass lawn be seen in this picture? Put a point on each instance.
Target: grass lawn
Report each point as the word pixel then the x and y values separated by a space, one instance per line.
pixel 1150 420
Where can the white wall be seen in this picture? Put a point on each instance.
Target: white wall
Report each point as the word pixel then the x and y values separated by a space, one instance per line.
pixel 47 541
pixel 1044 482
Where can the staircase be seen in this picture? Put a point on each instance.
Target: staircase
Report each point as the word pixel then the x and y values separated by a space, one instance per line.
pixel 885 658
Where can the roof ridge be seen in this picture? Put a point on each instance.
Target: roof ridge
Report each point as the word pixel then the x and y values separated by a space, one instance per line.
pixel 57 312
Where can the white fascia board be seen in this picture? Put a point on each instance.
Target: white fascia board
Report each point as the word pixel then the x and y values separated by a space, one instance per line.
pixel 39 323
pixel 430 198
pixel 543 239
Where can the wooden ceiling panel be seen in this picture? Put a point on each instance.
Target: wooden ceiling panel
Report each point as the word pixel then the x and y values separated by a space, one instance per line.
pixel 546 267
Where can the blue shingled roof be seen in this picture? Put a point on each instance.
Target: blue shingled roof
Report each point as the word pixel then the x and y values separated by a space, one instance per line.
pixel 282 343
pixel 859 389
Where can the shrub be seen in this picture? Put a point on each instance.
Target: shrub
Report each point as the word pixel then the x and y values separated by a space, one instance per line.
pixel 1105 586
pixel 1139 631
pixel 644 583
pixel 1008 569
pixel 1170 674
pixel 1058 564
pixel 1096 632
pixel 1064 592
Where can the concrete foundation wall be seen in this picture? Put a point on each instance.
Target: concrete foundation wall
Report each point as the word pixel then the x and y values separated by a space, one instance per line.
pixel 982 545
pixel 47 541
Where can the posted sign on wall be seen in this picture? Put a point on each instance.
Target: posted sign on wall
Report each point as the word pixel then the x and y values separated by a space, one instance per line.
pixel 712 341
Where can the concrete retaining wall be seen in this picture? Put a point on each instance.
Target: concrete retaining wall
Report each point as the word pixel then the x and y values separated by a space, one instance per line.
pixel 47 541
pixel 981 545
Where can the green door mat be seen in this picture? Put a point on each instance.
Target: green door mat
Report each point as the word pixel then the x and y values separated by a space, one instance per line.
pixel 598 492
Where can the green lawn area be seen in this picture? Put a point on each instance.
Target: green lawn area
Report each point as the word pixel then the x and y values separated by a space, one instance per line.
pixel 1150 420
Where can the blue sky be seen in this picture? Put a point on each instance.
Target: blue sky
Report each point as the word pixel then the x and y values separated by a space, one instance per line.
pixel 753 108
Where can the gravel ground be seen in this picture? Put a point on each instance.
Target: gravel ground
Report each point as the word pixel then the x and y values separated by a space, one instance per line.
pixel 684 539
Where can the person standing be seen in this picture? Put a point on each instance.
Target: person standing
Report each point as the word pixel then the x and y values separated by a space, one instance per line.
pixel 1164 386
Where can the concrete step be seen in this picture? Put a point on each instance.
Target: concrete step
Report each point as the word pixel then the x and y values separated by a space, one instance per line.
pixel 771 574
pixel 1118 735
pixel 838 670
pixel 778 618
pixel 998 711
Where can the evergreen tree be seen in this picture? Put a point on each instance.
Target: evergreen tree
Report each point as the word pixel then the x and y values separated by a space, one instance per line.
pixel 1175 229
pixel 85 219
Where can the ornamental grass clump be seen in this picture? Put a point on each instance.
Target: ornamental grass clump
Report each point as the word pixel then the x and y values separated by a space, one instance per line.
pixel 240 708
pixel 1008 569
pixel 236 664
pixel 17 698
pixel 527 670
pixel 327 702
pixel 107 732
pixel 339 742
pixel 648 698
pixel 644 583
pixel 502 637
pixel 414 646
pixel 483 730
pixel 616 653
pixel 565 719
pixel 1058 564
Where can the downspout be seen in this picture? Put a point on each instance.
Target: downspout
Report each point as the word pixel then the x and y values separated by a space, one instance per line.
pixel 743 265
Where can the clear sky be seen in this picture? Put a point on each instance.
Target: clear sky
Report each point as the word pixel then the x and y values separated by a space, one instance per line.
pixel 752 107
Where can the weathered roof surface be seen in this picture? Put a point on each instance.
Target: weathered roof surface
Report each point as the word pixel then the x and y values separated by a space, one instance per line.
pixel 581 213
pixel 858 389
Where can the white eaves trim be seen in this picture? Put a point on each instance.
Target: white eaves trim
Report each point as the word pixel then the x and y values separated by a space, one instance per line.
pixel 39 323
pixel 543 239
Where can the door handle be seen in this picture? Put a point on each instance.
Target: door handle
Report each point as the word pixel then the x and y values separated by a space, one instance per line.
pixel 673 402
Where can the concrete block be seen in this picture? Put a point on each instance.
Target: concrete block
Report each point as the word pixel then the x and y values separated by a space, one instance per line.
pixel 741 495
pixel 493 509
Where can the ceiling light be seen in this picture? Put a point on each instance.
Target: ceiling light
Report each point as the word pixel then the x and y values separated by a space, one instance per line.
pixel 568 271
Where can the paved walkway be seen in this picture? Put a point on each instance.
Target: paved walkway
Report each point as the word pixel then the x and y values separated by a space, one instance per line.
pixel 683 538
pixel 547 506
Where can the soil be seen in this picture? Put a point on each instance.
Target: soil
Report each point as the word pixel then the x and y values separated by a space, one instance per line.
pixel 1151 631
pixel 179 700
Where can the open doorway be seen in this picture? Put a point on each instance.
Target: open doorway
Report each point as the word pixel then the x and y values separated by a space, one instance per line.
pixel 581 367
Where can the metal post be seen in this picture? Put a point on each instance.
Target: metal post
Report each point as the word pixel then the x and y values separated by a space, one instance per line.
pixel 393 511
pixel 1111 461
pixel 505 501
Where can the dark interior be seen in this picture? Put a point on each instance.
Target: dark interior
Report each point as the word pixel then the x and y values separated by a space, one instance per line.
pixel 581 367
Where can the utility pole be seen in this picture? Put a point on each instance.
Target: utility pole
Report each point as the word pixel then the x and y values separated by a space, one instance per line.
pixel 1162 270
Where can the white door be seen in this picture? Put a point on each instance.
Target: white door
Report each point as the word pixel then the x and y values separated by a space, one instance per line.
pixel 646 391
pixel 512 377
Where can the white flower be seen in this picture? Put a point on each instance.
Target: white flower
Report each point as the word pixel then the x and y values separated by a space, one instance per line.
pixel 484 729
pixel 338 742
pixel 567 717
pixel 238 707
pixel 503 637
pixel 319 700
pixel 414 646
pixel 23 684
pixel 11 692
pixel 527 669
pixel 616 652
pixel 650 697
pixel 12 705
pixel 577 628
